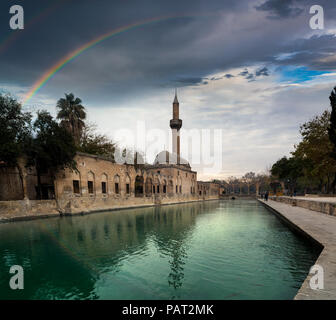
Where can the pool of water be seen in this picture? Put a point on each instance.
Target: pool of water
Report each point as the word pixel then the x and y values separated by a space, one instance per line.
pixel 205 250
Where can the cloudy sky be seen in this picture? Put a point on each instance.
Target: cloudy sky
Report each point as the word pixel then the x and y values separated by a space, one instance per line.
pixel 254 69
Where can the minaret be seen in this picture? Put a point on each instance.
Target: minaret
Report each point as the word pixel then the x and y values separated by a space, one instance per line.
pixel 175 125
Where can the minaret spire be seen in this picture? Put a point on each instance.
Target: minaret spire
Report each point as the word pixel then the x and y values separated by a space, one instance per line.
pixel 175 125
pixel 175 99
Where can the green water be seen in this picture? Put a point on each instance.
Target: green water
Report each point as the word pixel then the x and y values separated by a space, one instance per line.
pixel 206 250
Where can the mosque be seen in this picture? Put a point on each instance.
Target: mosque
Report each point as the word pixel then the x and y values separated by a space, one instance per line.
pixel 101 184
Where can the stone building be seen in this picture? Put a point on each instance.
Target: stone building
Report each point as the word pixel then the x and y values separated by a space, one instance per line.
pixel 208 189
pixel 11 184
pixel 101 184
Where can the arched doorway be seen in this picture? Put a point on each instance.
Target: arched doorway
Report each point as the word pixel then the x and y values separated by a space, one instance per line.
pixel 138 186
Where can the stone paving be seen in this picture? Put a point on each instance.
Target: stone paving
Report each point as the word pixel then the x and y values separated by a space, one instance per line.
pixel 321 228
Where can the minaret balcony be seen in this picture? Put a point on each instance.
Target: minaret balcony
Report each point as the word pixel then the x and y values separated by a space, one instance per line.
pixel 176 124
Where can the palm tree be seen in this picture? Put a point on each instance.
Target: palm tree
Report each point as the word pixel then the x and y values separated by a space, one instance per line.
pixel 72 114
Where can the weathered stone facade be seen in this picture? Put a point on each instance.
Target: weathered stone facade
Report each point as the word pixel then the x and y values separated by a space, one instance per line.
pixel 208 190
pixel 11 184
pixel 101 184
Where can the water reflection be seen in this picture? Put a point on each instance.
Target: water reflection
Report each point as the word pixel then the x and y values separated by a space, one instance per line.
pixel 187 251
pixel 171 233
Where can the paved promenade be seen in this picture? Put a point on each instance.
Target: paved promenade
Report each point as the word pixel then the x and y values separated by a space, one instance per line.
pixel 322 228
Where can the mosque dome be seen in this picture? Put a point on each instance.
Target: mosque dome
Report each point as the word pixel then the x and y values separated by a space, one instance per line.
pixel 166 157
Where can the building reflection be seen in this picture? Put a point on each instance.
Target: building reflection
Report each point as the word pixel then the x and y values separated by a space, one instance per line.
pixel 110 238
pixel 73 253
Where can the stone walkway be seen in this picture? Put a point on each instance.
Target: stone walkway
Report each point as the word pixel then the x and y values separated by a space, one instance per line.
pixel 322 228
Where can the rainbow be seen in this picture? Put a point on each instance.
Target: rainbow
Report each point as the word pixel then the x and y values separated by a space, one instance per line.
pixel 75 53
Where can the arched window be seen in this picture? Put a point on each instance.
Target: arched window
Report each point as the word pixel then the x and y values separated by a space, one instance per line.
pixel 91 186
pixel 104 183
pixel 76 183
pixel 116 184
pixel 128 184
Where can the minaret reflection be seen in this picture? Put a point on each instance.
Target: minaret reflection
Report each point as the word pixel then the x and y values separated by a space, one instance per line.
pixel 171 239
pixel 106 242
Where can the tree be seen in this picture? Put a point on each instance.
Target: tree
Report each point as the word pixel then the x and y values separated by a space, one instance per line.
pixel 316 151
pixel 94 143
pixel 288 170
pixel 72 115
pixel 233 182
pixel 312 165
pixel 15 136
pixel 53 147
pixel 262 181
pixel 332 123
pixel 249 178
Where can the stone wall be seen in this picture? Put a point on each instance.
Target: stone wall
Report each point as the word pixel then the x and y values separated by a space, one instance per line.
pixel 11 184
pixel 238 196
pixel 208 190
pixel 27 209
pixel 100 185
pixel 179 179
pixel 32 209
pixel 315 205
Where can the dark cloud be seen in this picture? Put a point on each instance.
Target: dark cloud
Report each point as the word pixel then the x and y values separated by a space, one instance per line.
pixel 252 76
pixel 203 41
pixel 313 52
pixel 247 75
pixel 189 81
pixel 244 73
pixel 228 75
pixel 280 8
pixel 262 72
pixel 182 51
